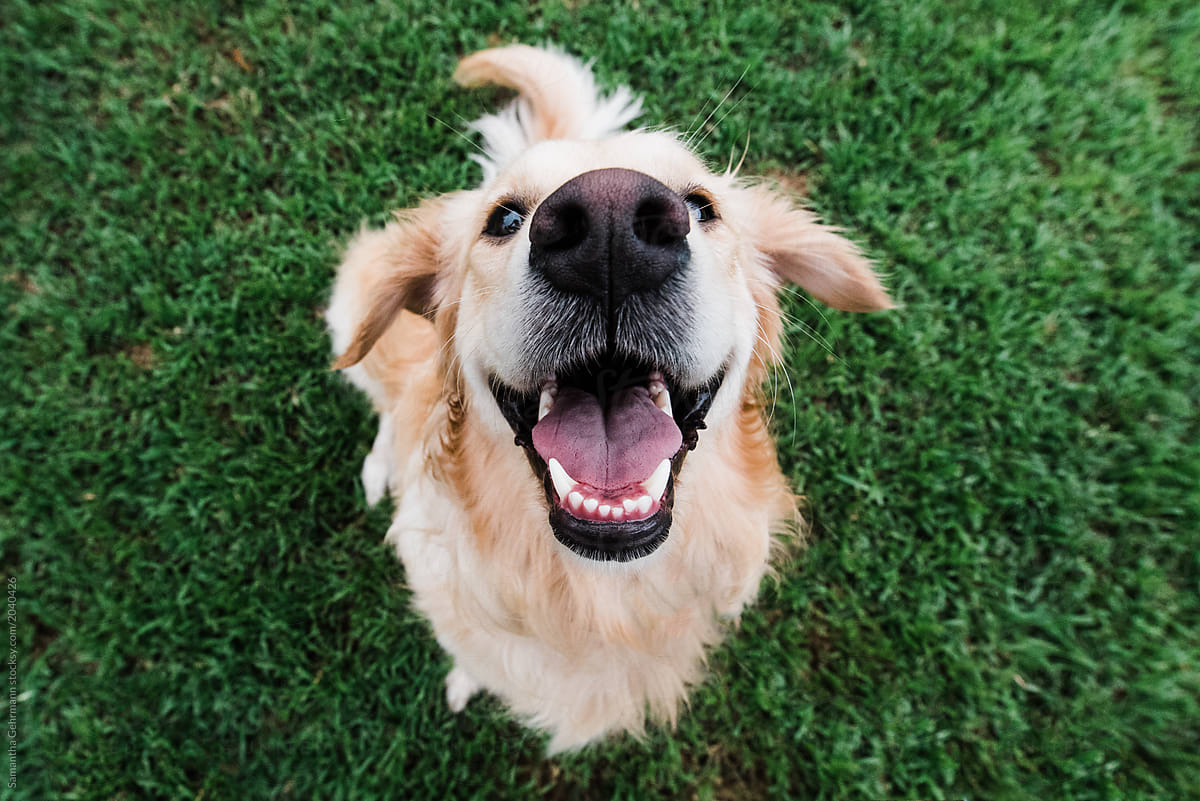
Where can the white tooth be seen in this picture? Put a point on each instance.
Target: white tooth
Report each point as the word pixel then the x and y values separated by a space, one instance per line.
pixel 563 483
pixel 604 511
pixel 618 513
pixel 629 505
pixel 546 399
pixel 590 505
pixel 575 499
pixel 656 485
pixel 658 392
pixel 644 503
pixel 662 400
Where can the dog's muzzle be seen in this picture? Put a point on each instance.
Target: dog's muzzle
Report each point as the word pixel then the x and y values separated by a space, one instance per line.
pixel 608 426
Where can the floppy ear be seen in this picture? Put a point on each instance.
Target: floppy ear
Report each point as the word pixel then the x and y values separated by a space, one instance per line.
pixel 387 272
pixel 813 256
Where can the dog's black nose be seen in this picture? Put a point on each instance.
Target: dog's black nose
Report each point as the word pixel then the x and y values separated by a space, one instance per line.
pixel 609 234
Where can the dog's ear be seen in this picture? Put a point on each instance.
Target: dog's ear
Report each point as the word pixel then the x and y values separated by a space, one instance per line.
pixel 399 269
pixel 813 256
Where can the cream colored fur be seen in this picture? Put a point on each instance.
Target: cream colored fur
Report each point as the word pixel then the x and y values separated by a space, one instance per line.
pixel 421 312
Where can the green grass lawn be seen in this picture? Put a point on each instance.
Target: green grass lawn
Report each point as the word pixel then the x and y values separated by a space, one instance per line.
pixel 1001 598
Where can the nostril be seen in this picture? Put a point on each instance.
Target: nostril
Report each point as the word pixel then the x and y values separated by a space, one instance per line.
pixel 658 223
pixel 561 228
pixel 573 223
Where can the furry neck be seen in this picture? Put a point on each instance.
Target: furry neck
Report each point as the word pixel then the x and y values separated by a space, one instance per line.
pixel 729 496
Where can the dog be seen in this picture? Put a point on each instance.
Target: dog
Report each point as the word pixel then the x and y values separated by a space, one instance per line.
pixel 567 362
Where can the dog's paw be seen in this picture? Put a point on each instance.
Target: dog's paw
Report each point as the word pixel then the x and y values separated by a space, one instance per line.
pixel 459 689
pixel 377 467
pixel 375 477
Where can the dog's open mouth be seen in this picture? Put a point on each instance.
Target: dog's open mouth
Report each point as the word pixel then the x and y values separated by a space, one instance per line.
pixel 607 442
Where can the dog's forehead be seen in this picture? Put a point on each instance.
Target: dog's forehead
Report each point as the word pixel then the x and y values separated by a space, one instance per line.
pixel 548 165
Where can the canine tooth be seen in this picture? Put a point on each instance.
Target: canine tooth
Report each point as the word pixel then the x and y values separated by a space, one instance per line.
pixel 656 485
pixel 604 510
pixel 659 393
pixel 629 506
pixel 546 399
pixel 575 499
pixel 563 483
pixel 663 401
pixel 644 503
pixel 590 505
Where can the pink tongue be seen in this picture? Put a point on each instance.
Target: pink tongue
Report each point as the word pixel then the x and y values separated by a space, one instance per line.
pixel 609 449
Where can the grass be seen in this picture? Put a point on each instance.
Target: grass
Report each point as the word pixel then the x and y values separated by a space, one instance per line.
pixel 1002 595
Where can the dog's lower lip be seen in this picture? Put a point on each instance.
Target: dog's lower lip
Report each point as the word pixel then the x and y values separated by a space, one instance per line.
pixel 608 541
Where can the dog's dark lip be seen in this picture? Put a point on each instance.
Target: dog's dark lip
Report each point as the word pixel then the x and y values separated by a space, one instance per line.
pixel 608 541
pixel 613 542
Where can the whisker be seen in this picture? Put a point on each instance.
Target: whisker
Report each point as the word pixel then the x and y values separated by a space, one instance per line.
pixel 688 131
pixel 812 334
pixel 717 125
pixel 788 317
pixel 465 122
pixel 456 358
pixel 742 160
pixel 476 295
pixel 458 133
pixel 736 84
pixel 820 312
pixel 803 327
pixel 518 212
pixel 779 365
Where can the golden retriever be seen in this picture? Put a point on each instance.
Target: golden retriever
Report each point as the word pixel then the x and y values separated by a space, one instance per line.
pixel 567 364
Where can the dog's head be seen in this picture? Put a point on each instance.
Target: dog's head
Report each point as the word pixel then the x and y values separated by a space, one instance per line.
pixel 604 296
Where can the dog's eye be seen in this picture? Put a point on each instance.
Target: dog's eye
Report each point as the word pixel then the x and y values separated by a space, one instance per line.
pixel 701 207
pixel 505 220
